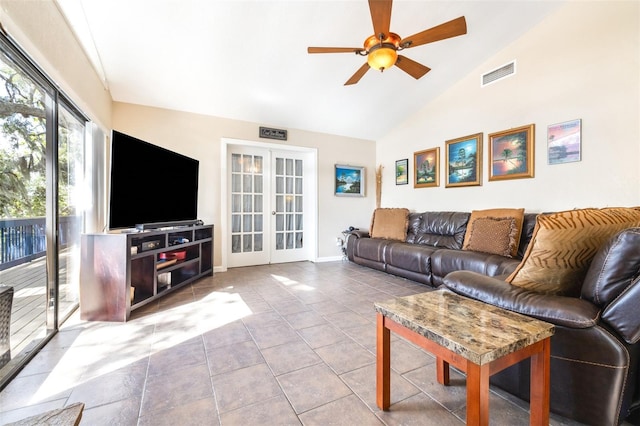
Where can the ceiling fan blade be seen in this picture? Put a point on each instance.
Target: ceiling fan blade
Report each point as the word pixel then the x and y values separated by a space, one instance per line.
pixel 411 67
pixel 380 16
pixel 358 75
pixel 334 49
pixel 449 29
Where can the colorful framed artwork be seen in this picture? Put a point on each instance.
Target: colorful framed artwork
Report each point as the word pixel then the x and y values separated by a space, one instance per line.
pixel 511 153
pixel 349 181
pixel 425 168
pixel 402 172
pixel 464 161
pixel 564 142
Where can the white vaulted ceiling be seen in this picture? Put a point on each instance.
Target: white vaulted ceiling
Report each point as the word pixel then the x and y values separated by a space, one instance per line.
pixel 248 60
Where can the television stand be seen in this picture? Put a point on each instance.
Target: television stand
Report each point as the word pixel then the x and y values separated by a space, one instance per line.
pixel 125 271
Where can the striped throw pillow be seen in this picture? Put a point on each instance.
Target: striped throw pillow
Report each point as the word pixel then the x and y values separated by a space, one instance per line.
pixel 563 245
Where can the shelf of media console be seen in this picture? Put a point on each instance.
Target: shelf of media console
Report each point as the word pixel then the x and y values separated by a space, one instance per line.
pixel 166 249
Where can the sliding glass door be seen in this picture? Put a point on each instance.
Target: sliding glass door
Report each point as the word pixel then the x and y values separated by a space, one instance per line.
pixel 42 162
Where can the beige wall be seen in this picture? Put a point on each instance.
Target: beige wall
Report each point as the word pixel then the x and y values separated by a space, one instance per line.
pixel 199 136
pixel 581 62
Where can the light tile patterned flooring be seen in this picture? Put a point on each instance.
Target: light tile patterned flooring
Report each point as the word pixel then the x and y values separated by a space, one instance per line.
pixel 281 344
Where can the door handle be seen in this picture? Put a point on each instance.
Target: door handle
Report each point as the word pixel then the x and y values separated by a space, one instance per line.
pixel 273 213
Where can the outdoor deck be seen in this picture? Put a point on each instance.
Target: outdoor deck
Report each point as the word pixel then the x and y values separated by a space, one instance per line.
pixel 28 313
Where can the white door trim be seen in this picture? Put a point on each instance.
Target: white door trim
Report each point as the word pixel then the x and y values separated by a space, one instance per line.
pixel 311 178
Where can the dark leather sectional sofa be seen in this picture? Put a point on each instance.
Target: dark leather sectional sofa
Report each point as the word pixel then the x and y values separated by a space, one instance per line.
pixel 595 352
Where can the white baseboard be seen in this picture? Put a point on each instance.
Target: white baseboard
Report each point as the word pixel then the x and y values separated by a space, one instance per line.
pixel 328 259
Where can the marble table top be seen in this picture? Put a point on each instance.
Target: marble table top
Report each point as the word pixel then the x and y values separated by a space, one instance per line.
pixel 477 331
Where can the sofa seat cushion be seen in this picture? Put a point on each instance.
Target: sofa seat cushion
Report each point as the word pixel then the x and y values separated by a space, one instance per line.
pixel 410 257
pixel 563 246
pixel 371 248
pixel 445 261
pixel 559 310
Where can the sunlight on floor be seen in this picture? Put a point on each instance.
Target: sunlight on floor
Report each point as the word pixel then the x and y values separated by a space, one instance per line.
pixel 127 341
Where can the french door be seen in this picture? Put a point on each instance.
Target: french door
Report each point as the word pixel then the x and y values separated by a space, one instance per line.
pixel 267 218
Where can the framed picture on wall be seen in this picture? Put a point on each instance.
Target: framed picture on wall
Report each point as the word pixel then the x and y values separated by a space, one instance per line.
pixel 425 168
pixel 463 159
pixel 511 153
pixel 402 172
pixel 349 181
pixel 564 142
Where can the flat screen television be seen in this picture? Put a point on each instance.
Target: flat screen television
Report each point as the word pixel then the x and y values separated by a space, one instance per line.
pixel 150 185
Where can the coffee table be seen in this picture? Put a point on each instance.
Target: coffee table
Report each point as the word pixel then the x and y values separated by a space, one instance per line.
pixel 477 338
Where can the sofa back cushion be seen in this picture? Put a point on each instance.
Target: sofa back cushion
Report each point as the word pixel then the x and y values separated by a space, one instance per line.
pixel 390 223
pixel 563 245
pixel 438 229
pixel 528 225
pixel 613 268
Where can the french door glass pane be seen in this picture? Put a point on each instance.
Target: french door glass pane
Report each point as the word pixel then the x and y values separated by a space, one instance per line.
pixel 236 185
pixel 236 203
pixel 235 244
pixel 247 206
pixel 235 222
pixel 236 163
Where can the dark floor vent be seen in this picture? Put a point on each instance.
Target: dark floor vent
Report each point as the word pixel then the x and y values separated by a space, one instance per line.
pixel 499 73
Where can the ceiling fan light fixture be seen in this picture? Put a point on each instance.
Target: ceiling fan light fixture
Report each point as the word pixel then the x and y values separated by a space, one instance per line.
pixel 382 50
pixel 382 57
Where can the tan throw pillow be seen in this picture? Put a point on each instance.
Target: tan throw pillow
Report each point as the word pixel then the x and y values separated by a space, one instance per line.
pixel 390 224
pixel 563 245
pixel 516 214
pixel 493 235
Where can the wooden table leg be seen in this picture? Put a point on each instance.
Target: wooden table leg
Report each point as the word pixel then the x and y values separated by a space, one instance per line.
pixel 477 394
pixel 383 364
pixel 540 384
pixel 442 371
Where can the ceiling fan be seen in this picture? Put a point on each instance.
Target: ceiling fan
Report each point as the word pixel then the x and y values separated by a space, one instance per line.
pixel 382 47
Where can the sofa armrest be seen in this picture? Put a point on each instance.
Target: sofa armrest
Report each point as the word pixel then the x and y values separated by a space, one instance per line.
pixel 559 310
pixel 358 233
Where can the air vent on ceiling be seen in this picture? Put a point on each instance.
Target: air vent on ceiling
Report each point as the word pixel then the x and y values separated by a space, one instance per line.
pixel 498 74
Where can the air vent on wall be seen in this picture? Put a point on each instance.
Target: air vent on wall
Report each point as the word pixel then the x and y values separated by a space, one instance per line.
pixel 498 74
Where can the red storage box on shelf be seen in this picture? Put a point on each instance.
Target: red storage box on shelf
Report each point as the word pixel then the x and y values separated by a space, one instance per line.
pixel 178 255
